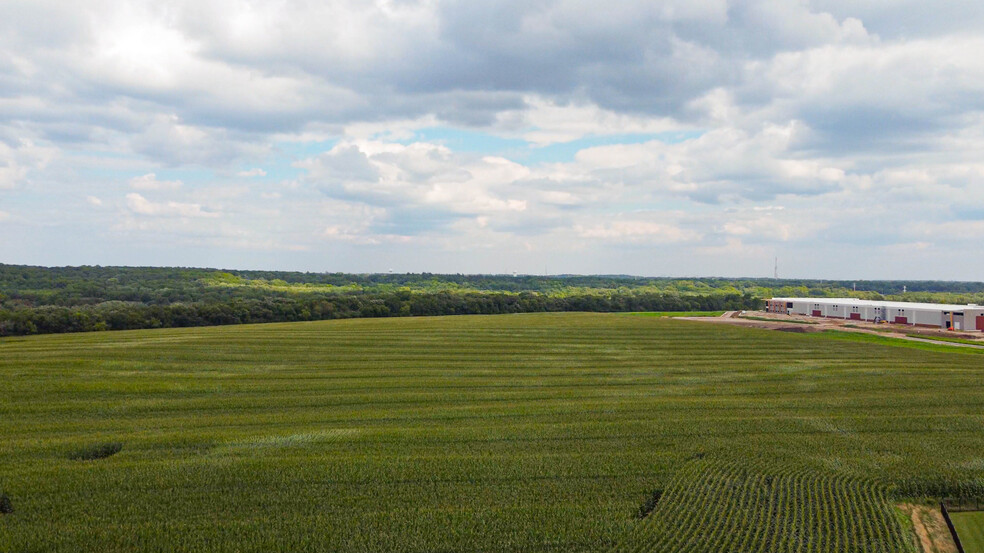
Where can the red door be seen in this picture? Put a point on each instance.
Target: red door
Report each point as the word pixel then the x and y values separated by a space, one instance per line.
pixel 901 320
pixel 855 316
pixel 816 312
pixel 980 322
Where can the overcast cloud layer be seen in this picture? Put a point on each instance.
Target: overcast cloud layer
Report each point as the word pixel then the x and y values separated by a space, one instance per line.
pixel 683 137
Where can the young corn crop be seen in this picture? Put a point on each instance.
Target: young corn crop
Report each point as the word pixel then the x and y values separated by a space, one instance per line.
pixel 746 507
pixel 517 433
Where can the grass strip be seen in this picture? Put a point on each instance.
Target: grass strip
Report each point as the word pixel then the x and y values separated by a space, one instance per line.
pixel 897 342
pixel 947 339
pixel 677 313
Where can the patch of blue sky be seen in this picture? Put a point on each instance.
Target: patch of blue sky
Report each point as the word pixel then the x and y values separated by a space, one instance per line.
pixel 522 151
pixel 460 140
pixel 280 166
pixel 278 169
pixel 301 150
pixel 564 152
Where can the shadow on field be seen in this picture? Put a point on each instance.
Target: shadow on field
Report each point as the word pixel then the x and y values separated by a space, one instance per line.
pixel 650 504
pixel 98 451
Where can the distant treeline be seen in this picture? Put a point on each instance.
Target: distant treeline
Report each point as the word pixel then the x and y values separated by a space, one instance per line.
pixel 117 315
pixel 79 299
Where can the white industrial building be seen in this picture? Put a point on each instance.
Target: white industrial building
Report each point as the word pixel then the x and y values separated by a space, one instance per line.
pixel 936 315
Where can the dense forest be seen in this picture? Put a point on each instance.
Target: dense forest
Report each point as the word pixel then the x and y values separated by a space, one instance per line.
pixel 36 300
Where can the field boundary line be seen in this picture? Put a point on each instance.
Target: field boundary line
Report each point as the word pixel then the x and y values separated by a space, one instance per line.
pixel 949 524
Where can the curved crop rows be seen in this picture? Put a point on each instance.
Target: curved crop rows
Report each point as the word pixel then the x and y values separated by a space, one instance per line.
pixel 508 434
pixel 713 506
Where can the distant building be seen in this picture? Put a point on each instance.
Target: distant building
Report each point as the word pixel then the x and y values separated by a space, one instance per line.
pixel 935 315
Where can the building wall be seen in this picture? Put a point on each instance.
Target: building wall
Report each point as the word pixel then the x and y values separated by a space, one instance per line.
pixel 870 312
pixel 934 317
pixel 970 316
pixel 899 314
pixel 959 322
pixel 801 307
pixel 927 317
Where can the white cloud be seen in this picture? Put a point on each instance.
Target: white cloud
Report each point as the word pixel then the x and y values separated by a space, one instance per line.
pixel 633 230
pixel 336 232
pixel 151 182
pixel 18 160
pixel 4 215
pixel 803 121
pixel 142 206
pixel 168 139
pixel 255 172
pixel 725 164
pixel 543 122
pixel 421 186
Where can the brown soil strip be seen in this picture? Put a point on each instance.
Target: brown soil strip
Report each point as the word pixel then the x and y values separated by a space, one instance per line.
pixel 781 322
pixel 931 530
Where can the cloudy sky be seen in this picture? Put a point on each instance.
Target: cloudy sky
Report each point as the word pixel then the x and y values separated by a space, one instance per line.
pixel 678 137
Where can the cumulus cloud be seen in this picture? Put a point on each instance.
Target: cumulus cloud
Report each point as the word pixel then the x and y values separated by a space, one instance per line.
pixel 637 230
pixel 421 186
pixel 151 182
pixel 560 67
pixel 541 122
pixel 19 159
pixel 142 206
pixel 169 140
pixel 255 172
pixel 678 125
pixel 725 164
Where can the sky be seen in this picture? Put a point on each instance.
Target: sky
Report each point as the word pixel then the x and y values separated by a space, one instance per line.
pixel 664 138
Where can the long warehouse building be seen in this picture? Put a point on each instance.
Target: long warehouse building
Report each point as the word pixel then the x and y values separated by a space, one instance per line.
pixel 936 315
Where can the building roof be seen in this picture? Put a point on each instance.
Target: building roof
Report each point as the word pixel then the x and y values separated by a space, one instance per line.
pixel 889 304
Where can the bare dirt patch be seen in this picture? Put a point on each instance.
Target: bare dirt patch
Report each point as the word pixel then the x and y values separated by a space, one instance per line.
pixel 777 324
pixel 777 321
pixel 932 534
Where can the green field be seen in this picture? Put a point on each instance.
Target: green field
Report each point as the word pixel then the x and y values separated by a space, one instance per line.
pixel 970 529
pixel 947 339
pixel 677 313
pixel 899 342
pixel 518 433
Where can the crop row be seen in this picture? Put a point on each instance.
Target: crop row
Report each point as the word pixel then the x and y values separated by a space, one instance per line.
pixel 509 434
pixel 713 506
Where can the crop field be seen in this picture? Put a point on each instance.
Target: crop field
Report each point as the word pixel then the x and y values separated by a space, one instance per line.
pixel 677 313
pixel 512 433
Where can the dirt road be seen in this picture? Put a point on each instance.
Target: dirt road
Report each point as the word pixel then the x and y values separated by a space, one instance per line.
pixel 793 323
